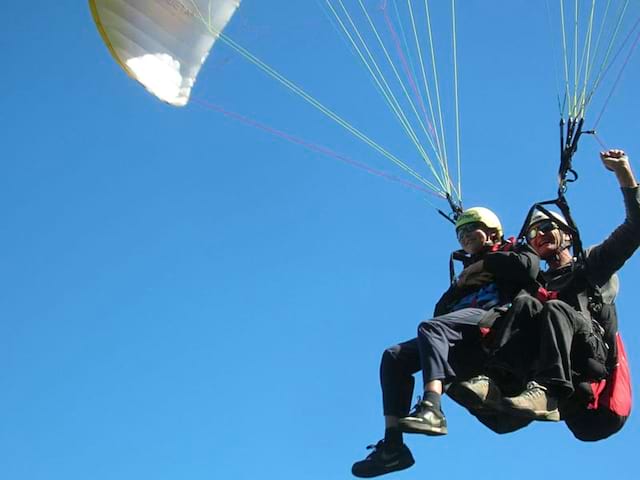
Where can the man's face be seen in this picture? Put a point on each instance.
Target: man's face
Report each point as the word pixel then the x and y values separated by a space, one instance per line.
pixel 472 237
pixel 545 238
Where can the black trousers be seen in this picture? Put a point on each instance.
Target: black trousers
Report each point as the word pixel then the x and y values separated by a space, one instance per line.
pixel 550 343
pixel 446 347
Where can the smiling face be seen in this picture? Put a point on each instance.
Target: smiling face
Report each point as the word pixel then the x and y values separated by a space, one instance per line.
pixel 472 237
pixel 547 239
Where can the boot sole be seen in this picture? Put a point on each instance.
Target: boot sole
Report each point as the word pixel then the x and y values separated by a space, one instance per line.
pixel 383 471
pixel 541 415
pixel 424 430
pixel 474 403
pixel 552 416
pixel 467 398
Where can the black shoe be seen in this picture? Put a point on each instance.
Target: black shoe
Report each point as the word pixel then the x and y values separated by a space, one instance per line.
pixel 426 419
pixel 383 459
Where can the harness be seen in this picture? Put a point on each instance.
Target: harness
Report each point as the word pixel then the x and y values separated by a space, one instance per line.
pixel 566 174
pixel 569 138
pixel 588 295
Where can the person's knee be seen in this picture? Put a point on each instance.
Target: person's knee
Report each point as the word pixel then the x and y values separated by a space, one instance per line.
pixel 388 363
pixel 526 300
pixel 557 306
pixel 394 364
pixel 561 313
pixel 428 327
pixel 556 310
pixel 390 355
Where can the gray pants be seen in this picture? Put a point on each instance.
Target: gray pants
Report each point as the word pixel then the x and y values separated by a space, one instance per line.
pixel 447 347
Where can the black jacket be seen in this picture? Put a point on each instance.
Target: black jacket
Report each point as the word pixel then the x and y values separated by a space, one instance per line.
pixel 511 270
pixel 590 284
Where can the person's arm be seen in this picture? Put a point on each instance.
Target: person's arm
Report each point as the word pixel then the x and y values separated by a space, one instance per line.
pixel 520 266
pixel 617 161
pixel 474 275
pixel 605 259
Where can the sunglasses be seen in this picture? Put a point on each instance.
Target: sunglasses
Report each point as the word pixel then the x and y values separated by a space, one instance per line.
pixel 543 227
pixel 468 228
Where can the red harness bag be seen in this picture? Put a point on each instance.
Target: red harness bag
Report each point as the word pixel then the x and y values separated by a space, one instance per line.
pixel 614 392
pixel 611 406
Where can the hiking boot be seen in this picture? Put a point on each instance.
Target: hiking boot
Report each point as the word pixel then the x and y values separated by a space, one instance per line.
pixel 426 418
pixel 479 394
pixel 383 459
pixel 533 403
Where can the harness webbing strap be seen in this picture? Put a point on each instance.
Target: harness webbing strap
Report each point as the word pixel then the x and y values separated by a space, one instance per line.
pixel 569 138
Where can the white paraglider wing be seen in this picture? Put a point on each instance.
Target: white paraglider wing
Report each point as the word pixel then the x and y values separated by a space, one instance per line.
pixel 162 43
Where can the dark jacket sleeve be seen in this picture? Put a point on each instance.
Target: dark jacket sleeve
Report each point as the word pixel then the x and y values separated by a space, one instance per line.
pixel 605 259
pixel 519 267
pixel 512 271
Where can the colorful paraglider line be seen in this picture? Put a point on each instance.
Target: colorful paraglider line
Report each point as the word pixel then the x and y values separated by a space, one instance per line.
pixel 312 146
pixel 622 69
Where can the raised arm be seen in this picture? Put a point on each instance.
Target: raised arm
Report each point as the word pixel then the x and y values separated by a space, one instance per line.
pixel 618 162
pixel 605 259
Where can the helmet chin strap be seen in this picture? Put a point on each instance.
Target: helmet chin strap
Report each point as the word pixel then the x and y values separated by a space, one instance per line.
pixel 492 240
pixel 554 259
pixel 564 241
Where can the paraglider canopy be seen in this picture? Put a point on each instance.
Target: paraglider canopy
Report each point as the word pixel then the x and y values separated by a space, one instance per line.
pixel 162 43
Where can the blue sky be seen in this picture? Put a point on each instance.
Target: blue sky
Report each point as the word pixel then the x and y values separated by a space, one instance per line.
pixel 188 297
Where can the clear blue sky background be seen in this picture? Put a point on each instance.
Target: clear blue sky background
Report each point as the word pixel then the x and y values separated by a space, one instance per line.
pixel 187 297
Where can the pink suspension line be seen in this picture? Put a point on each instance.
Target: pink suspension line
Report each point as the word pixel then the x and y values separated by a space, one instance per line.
pixel 622 69
pixel 405 66
pixel 312 146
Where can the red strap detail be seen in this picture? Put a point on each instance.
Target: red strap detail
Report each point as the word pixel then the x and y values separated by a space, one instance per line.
pixel 598 389
pixel 484 331
pixel 545 295
pixel 504 246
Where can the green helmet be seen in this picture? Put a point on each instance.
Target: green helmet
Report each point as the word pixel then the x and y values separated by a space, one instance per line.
pixel 480 215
